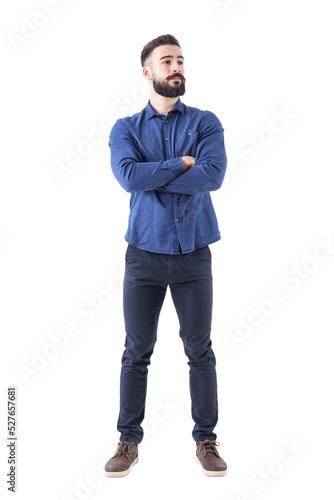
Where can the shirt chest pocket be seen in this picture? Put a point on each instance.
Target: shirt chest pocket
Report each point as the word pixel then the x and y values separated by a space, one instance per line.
pixel 186 143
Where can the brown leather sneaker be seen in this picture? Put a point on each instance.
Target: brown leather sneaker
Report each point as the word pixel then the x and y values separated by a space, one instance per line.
pixel 208 457
pixel 125 457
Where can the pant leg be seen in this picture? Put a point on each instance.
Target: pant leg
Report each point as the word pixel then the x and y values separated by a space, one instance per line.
pixel 143 296
pixel 191 292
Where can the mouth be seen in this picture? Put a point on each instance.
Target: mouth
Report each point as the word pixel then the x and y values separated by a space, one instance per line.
pixel 176 79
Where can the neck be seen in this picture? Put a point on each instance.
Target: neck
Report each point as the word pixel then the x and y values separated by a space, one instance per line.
pixel 162 104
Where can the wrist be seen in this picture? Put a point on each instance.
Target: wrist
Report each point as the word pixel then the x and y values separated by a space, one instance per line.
pixel 186 162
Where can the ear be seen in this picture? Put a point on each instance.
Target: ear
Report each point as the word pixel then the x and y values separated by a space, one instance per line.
pixel 147 72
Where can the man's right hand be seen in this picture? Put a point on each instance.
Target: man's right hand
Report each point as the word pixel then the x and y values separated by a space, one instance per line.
pixel 188 161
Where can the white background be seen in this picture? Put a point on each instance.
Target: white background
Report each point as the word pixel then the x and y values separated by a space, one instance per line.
pixel 62 244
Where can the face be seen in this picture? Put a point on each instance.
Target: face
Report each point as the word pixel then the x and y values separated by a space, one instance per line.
pixel 166 70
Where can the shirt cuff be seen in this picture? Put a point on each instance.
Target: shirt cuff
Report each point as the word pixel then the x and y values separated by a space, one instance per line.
pixel 176 165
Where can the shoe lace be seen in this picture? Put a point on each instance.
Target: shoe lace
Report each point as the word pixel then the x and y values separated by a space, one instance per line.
pixel 208 446
pixel 124 447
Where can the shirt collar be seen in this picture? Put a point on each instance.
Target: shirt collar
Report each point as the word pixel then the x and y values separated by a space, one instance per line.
pixel 151 112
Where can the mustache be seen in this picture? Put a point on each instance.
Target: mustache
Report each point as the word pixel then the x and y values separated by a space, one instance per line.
pixel 178 75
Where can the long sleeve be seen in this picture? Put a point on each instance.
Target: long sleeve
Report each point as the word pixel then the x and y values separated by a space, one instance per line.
pixel 132 173
pixel 209 170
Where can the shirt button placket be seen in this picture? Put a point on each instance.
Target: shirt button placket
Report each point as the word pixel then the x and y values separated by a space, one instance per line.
pixel 176 211
pixel 166 131
pixel 168 151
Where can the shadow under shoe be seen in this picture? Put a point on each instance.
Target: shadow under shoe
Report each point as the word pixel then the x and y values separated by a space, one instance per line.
pixel 208 457
pixel 125 457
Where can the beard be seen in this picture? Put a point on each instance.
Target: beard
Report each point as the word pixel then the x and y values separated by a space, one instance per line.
pixel 166 89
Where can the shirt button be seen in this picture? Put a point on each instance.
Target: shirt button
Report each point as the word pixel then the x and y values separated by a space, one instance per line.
pixel 174 225
pixel 166 121
pixel 177 220
pixel 175 199
pixel 189 133
pixel 166 138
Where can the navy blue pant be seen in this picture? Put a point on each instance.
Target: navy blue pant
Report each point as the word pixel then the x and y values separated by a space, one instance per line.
pixel 146 278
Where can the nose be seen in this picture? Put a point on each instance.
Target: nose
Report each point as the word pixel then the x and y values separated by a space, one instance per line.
pixel 176 67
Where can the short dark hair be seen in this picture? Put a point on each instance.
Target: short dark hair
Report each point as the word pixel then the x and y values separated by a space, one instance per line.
pixel 150 46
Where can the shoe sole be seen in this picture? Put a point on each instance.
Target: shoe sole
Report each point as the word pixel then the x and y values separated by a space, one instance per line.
pixel 212 473
pixel 121 473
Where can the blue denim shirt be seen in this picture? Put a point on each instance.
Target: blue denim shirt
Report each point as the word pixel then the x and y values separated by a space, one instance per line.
pixel 170 208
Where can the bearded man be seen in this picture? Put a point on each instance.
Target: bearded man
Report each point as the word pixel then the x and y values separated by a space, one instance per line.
pixel 169 157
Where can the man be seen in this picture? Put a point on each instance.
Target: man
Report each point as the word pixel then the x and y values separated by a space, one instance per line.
pixel 169 157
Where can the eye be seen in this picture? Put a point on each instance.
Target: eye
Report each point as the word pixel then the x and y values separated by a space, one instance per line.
pixel 166 62
pixel 181 62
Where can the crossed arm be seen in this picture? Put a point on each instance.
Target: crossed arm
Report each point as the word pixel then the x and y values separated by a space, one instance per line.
pixel 182 175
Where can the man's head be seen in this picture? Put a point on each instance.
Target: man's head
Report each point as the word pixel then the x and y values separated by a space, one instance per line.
pixel 162 63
